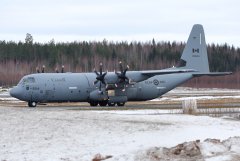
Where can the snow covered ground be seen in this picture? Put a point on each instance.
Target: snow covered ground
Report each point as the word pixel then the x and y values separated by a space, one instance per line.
pixel 67 134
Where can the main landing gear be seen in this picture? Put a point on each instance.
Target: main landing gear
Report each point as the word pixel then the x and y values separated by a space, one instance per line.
pixel 32 104
pixel 105 103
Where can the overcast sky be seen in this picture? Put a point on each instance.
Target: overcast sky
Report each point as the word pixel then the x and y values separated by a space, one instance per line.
pixel 138 20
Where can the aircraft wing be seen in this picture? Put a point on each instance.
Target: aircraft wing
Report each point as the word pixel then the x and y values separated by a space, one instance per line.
pixel 212 74
pixel 151 73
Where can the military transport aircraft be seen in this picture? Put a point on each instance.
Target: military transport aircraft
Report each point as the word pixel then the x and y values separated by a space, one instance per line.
pixel 111 88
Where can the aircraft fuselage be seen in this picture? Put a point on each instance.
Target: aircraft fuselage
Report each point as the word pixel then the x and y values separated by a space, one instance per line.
pixel 77 87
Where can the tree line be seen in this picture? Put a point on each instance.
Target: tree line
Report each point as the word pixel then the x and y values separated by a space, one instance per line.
pixel 20 58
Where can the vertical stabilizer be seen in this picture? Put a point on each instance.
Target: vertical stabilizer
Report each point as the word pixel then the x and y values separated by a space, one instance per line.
pixel 194 55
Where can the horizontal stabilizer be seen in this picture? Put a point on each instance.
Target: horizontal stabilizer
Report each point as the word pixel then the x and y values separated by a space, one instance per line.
pixel 151 73
pixel 212 74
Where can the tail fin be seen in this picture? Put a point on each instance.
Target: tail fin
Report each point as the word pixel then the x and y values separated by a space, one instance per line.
pixel 194 55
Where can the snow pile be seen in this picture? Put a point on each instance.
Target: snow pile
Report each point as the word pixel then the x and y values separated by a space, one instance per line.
pixel 185 151
pixel 210 150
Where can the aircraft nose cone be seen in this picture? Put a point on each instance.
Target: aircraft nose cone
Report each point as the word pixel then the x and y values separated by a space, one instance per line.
pixel 15 92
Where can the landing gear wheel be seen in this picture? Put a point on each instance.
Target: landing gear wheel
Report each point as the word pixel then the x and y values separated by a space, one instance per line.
pixel 32 104
pixel 121 103
pixel 93 103
pixel 103 103
pixel 111 104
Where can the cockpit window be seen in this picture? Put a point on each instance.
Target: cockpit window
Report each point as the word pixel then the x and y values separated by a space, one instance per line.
pixel 31 80
pixel 26 80
pixel 20 82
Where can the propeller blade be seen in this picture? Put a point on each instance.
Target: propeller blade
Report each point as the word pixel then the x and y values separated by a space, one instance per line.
pixel 96 73
pixel 100 76
pixel 100 87
pixel 95 82
pixel 103 82
pixel 122 78
pixel 104 74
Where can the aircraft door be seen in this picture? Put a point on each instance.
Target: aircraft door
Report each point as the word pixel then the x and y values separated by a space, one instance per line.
pixel 132 92
pixel 49 91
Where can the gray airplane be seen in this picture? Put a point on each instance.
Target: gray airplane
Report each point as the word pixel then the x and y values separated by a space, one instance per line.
pixel 111 88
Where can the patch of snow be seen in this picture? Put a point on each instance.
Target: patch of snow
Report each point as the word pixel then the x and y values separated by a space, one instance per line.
pixel 183 93
pixel 140 112
pixel 233 144
pixel 212 148
pixel 43 134
pixel 4 94
pixel 203 90
pixel 195 97
pixel 220 158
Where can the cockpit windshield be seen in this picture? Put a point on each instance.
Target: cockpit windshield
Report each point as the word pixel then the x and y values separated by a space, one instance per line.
pixel 26 80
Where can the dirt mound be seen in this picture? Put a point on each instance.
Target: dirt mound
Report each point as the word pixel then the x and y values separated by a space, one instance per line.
pixel 99 157
pixel 228 149
pixel 184 151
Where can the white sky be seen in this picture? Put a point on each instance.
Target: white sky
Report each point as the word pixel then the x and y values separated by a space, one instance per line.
pixel 139 20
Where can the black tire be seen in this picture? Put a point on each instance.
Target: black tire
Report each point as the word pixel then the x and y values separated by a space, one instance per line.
pixel 103 103
pixel 93 103
pixel 121 103
pixel 111 104
pixel 32 104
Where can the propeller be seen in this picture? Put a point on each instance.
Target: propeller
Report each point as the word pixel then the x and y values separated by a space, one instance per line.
pixel 122 75
pixel 100 77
